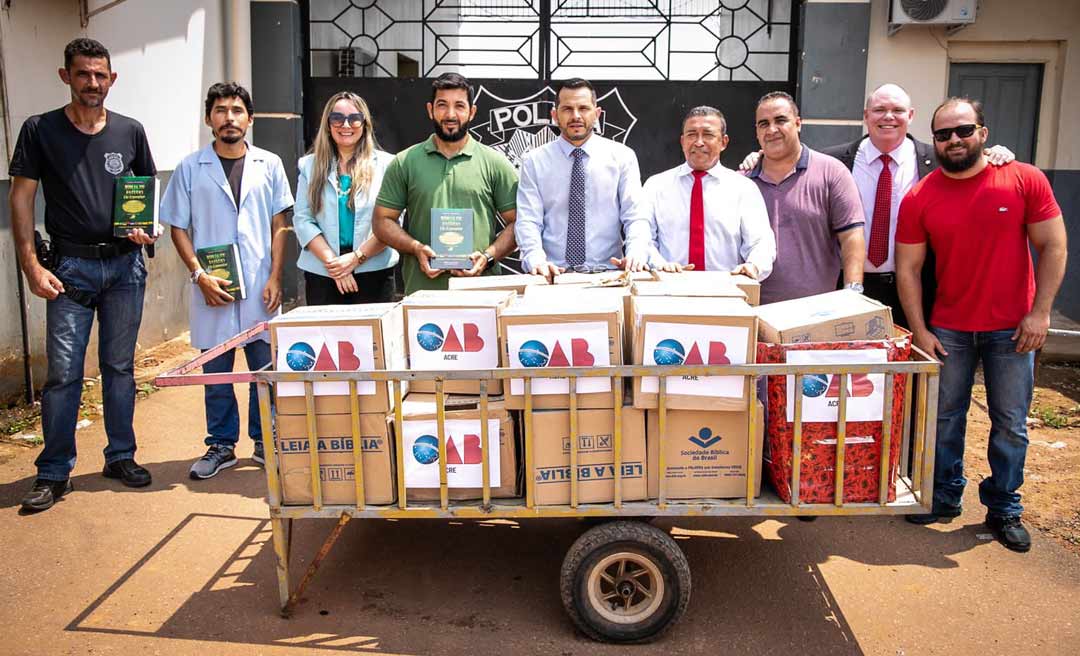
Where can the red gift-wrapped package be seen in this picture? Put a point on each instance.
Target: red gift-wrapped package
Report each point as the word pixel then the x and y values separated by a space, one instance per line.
pixel 862 444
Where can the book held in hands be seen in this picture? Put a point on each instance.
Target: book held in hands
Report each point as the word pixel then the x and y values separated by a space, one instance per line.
pixel 135 205
pixel 224 262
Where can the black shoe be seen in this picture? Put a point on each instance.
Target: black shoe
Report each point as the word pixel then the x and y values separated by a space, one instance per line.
pixel 45 493
pixel 1009 532
pixel 257 455
pixel 128 472
pixel 939 513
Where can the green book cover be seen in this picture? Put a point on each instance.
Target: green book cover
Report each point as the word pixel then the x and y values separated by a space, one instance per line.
pixel 224 262
pixel 451 238
pixel 135 205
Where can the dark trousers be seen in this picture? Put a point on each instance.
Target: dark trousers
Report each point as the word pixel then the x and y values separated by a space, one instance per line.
pixel 373 286
pixel 882 288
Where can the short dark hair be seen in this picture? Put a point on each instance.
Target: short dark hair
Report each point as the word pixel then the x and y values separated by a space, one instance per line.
pixel 89 48
pixel 976 105
pixel 576 83
pixel 452 81
pixel 778 95
pixel 228 90
pixel 706 110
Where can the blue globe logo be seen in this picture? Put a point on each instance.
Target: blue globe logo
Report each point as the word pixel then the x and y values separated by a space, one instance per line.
pixel 533 353
pixel 430 337
pixel 426 449
pixel 300 357
pixel 814 384
pixel 669 352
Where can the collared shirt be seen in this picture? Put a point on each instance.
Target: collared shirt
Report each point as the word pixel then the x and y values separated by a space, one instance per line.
pixel 737 226
pixel 807 210
pixel 420 178
pixel 612 199
pixel 199 197
pixel 308 226
pixel 866 171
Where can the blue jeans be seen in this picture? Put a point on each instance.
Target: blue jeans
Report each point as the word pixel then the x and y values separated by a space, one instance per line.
pixel 1010 380
pixel 222 412
pixel 117 285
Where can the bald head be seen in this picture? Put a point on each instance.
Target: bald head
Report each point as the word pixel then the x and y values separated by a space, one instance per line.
pixel 888 115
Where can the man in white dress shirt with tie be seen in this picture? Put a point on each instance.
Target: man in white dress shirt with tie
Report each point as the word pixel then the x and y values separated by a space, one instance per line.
pixel 579 197
pixel 706 216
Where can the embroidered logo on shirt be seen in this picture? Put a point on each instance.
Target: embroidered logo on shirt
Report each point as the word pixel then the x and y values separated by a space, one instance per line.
pixel 114 163
pixel 1003 209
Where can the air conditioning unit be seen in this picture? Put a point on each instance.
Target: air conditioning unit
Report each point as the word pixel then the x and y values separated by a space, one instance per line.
pixel 932 12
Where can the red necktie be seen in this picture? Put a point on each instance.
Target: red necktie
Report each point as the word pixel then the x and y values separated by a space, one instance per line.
pixel 878 250
pixel 697 224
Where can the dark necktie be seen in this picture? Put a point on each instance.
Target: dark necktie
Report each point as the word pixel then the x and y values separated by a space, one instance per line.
pixel 697 223
pixel 878 250
pixel 575 223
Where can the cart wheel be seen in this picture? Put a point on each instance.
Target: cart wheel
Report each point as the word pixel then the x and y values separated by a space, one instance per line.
pixel 625 582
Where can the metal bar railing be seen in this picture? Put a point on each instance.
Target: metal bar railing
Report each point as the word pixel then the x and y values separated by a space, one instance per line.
pixel 399 448
pixel 841 438
pixel 530 471
pixel 796 444
pixel 886 441
pixel 440 425
pixel 573 443
pixel 357 445
pixel 617 436
pixel 751 453
pixel 485 456
pixel 313 445
pixel 661 415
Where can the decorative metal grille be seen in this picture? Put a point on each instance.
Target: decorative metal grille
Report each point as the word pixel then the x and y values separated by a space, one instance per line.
pixel 545 39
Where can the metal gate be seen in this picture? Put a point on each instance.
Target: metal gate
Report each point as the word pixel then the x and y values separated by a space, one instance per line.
pixel 651 61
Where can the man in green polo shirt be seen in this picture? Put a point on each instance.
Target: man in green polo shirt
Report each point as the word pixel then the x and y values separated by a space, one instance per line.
pixel 450 170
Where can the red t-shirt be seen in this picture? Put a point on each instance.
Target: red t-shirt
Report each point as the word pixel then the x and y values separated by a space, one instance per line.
pixel 977 229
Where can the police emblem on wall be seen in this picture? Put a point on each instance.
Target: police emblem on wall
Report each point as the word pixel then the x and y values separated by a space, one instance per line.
pixel 514 126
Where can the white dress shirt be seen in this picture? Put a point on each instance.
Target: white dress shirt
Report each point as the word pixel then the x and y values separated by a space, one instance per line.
pixel 866 171
pixel 737 226
pixel 612 199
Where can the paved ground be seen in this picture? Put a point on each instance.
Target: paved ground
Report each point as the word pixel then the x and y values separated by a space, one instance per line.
pixel 185 567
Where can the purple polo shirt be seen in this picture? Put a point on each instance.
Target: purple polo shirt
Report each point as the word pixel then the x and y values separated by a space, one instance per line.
pixel 806 211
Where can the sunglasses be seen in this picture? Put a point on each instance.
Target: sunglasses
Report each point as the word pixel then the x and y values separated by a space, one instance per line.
pixel 337 119
pixel 962 131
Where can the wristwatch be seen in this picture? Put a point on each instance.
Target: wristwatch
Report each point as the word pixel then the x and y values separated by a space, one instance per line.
pixel 854 286
pixel 489 259
pixel 194 277
pixel 360 257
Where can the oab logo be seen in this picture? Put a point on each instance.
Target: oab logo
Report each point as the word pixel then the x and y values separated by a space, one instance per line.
pixel 534 353
pixel 426 450
pixel 464 338
pixel 672 352
pixel 704 438
pixel 301 357
pixel 815 385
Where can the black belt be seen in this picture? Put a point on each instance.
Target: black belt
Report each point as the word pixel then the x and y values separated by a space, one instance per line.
pixel 94 251
pixel 888 277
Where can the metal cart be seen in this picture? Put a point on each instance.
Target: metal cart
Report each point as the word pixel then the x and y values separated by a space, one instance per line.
pixel 624 580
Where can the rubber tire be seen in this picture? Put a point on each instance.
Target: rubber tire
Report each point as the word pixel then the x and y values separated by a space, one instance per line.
pixel 643 539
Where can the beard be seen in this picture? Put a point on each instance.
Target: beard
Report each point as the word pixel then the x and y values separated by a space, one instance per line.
pixel 232 137
pixel 971 157
pixel 89 99
pixel 457 135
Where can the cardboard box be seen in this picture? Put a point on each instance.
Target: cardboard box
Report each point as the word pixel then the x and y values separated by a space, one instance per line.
pixel 715 279
pixel 336 465
pixel 843 315
pixel 420 447
pixel 695 288
pixel 613 278
pixel 670 331
pixel 596 456
pixel 454 330
pixel 513 282
pixel 583 330
pixel 556 293
pixel 335 338
pixel 705 453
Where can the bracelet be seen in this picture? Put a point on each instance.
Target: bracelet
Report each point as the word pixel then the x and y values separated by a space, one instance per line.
pixel 360 257
pixel 195 275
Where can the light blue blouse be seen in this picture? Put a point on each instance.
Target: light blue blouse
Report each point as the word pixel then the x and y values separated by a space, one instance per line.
pixel 308 226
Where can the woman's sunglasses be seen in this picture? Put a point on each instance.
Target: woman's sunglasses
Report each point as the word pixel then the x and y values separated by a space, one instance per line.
pixel 337 119
pixel 962 131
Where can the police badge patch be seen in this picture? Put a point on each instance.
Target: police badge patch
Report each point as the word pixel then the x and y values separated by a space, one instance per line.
pixel 114 163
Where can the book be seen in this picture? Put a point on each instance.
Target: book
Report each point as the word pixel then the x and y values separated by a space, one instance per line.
pixel 135 205
pixel 224 262
pixel 451 238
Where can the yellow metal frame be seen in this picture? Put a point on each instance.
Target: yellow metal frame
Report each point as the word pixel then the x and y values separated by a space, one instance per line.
pixel 914 494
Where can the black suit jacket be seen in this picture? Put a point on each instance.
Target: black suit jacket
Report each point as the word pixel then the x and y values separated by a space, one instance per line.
pixel 927 162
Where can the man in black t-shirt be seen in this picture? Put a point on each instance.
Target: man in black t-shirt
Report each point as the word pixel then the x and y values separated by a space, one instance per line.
pixel 76 153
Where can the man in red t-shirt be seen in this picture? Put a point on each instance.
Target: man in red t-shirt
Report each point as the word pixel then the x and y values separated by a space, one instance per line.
pixel 991 306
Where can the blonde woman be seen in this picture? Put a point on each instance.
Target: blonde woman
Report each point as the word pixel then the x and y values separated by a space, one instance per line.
pixel 335 194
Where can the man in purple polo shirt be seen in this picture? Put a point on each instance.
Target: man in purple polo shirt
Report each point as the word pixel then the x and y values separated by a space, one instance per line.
pixel 814 208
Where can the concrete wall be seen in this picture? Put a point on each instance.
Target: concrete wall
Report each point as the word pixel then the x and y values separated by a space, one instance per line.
pixel 165 55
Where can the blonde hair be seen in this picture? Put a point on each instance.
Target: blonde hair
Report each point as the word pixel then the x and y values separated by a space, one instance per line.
pixel 362 165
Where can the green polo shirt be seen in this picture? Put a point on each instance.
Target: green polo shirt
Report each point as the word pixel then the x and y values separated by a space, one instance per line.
pixel 421 178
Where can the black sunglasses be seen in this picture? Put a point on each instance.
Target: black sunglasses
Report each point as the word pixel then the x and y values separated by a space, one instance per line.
pixel 962 131
pixel 337 119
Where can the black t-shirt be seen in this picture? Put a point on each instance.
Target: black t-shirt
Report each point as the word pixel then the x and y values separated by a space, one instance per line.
pixel 77 171
pixel 234 173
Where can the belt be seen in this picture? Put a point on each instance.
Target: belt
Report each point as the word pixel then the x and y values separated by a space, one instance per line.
pixel 888 277
pixel 94 251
